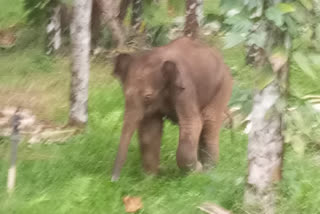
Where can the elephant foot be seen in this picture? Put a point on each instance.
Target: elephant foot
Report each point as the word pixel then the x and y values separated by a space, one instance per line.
pixel 206 167
pixel 151 173
pixel 199 167
pixel 194 167
pixel 114 178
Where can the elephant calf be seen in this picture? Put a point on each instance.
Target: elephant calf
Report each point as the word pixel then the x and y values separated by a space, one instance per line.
pixel 184 81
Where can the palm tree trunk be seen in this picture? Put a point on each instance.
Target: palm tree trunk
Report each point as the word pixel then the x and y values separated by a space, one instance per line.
pixel 199 12
pixel 124 5
pixel 110 11
pixel 265 148
pixel 95 23
pixel 80 41
pixel 192 25
pixel 136 18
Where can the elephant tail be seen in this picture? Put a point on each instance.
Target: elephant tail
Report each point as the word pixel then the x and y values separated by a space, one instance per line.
pixel 229 116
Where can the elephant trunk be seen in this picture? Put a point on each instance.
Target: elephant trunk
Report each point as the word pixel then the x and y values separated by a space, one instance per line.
pixel 131 122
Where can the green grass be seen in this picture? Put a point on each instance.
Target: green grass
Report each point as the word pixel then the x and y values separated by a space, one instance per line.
pixel 75 177
pixel 299 190
pixel 11 12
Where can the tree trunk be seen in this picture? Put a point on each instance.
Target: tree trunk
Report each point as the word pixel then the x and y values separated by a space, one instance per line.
pixel 136 19
pixel 192 26
pixel 265 148
pixel 124 5
pixel 54 28
pixel 199 12
pixel 110 12
pixel 95 23
pixel 80 42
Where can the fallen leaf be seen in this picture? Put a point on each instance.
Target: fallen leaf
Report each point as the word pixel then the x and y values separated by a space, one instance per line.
pixel 278 59
pixel 132 204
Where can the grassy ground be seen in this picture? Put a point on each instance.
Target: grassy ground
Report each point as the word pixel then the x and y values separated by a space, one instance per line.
pixel 74 177
pixel 11 12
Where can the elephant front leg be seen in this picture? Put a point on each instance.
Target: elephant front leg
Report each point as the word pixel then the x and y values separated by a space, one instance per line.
pixel 150 133
pixel 187 152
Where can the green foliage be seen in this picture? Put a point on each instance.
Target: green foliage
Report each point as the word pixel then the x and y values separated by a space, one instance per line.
pixel 156 15
pixel 285 8
pixel 157 22
pixel 304 62
pixel 307 4
pixel 228 5
pixel 67 2
pixel 303 26
pixel 158 35
pixel 251 21
pixel 258 38
pixel 37 10
pixel 265 77
pixel 233 39
pixel 277 13
pixel 299 192
pixel 210 7
pixel 303 128
pixel 291 28
pixel 178 7
pixel 105 39
pixel 242 98
pixel 240 23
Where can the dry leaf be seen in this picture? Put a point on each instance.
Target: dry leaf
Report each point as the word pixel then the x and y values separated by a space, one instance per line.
pixel 278 60
pixel 7 39
pixel 132 204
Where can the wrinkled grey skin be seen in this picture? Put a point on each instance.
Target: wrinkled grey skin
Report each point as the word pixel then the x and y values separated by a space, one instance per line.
pixel 184 81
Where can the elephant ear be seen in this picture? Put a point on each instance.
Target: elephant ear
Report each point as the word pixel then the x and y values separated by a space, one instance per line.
pixel 122 64
pixel 172 75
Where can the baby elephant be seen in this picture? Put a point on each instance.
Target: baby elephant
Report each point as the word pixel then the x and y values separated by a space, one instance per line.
pixel 184 81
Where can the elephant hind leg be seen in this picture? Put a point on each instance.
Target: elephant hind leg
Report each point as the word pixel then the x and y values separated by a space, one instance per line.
pixel 150 133
pixel 213 119
pixel 208 149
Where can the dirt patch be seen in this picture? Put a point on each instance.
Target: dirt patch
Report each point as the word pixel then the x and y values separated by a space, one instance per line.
pixel 7 38
pixel 31 129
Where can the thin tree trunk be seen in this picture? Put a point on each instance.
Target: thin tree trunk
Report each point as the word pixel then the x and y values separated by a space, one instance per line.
pixel 66 17
pixel 136 19
pixel 54 28
pixel 199 12
pixel 110 12
pixel 265 148
pixel 95 23
pixel 80 41
pixel 124 5
pixel 191 26
pixel 15 138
